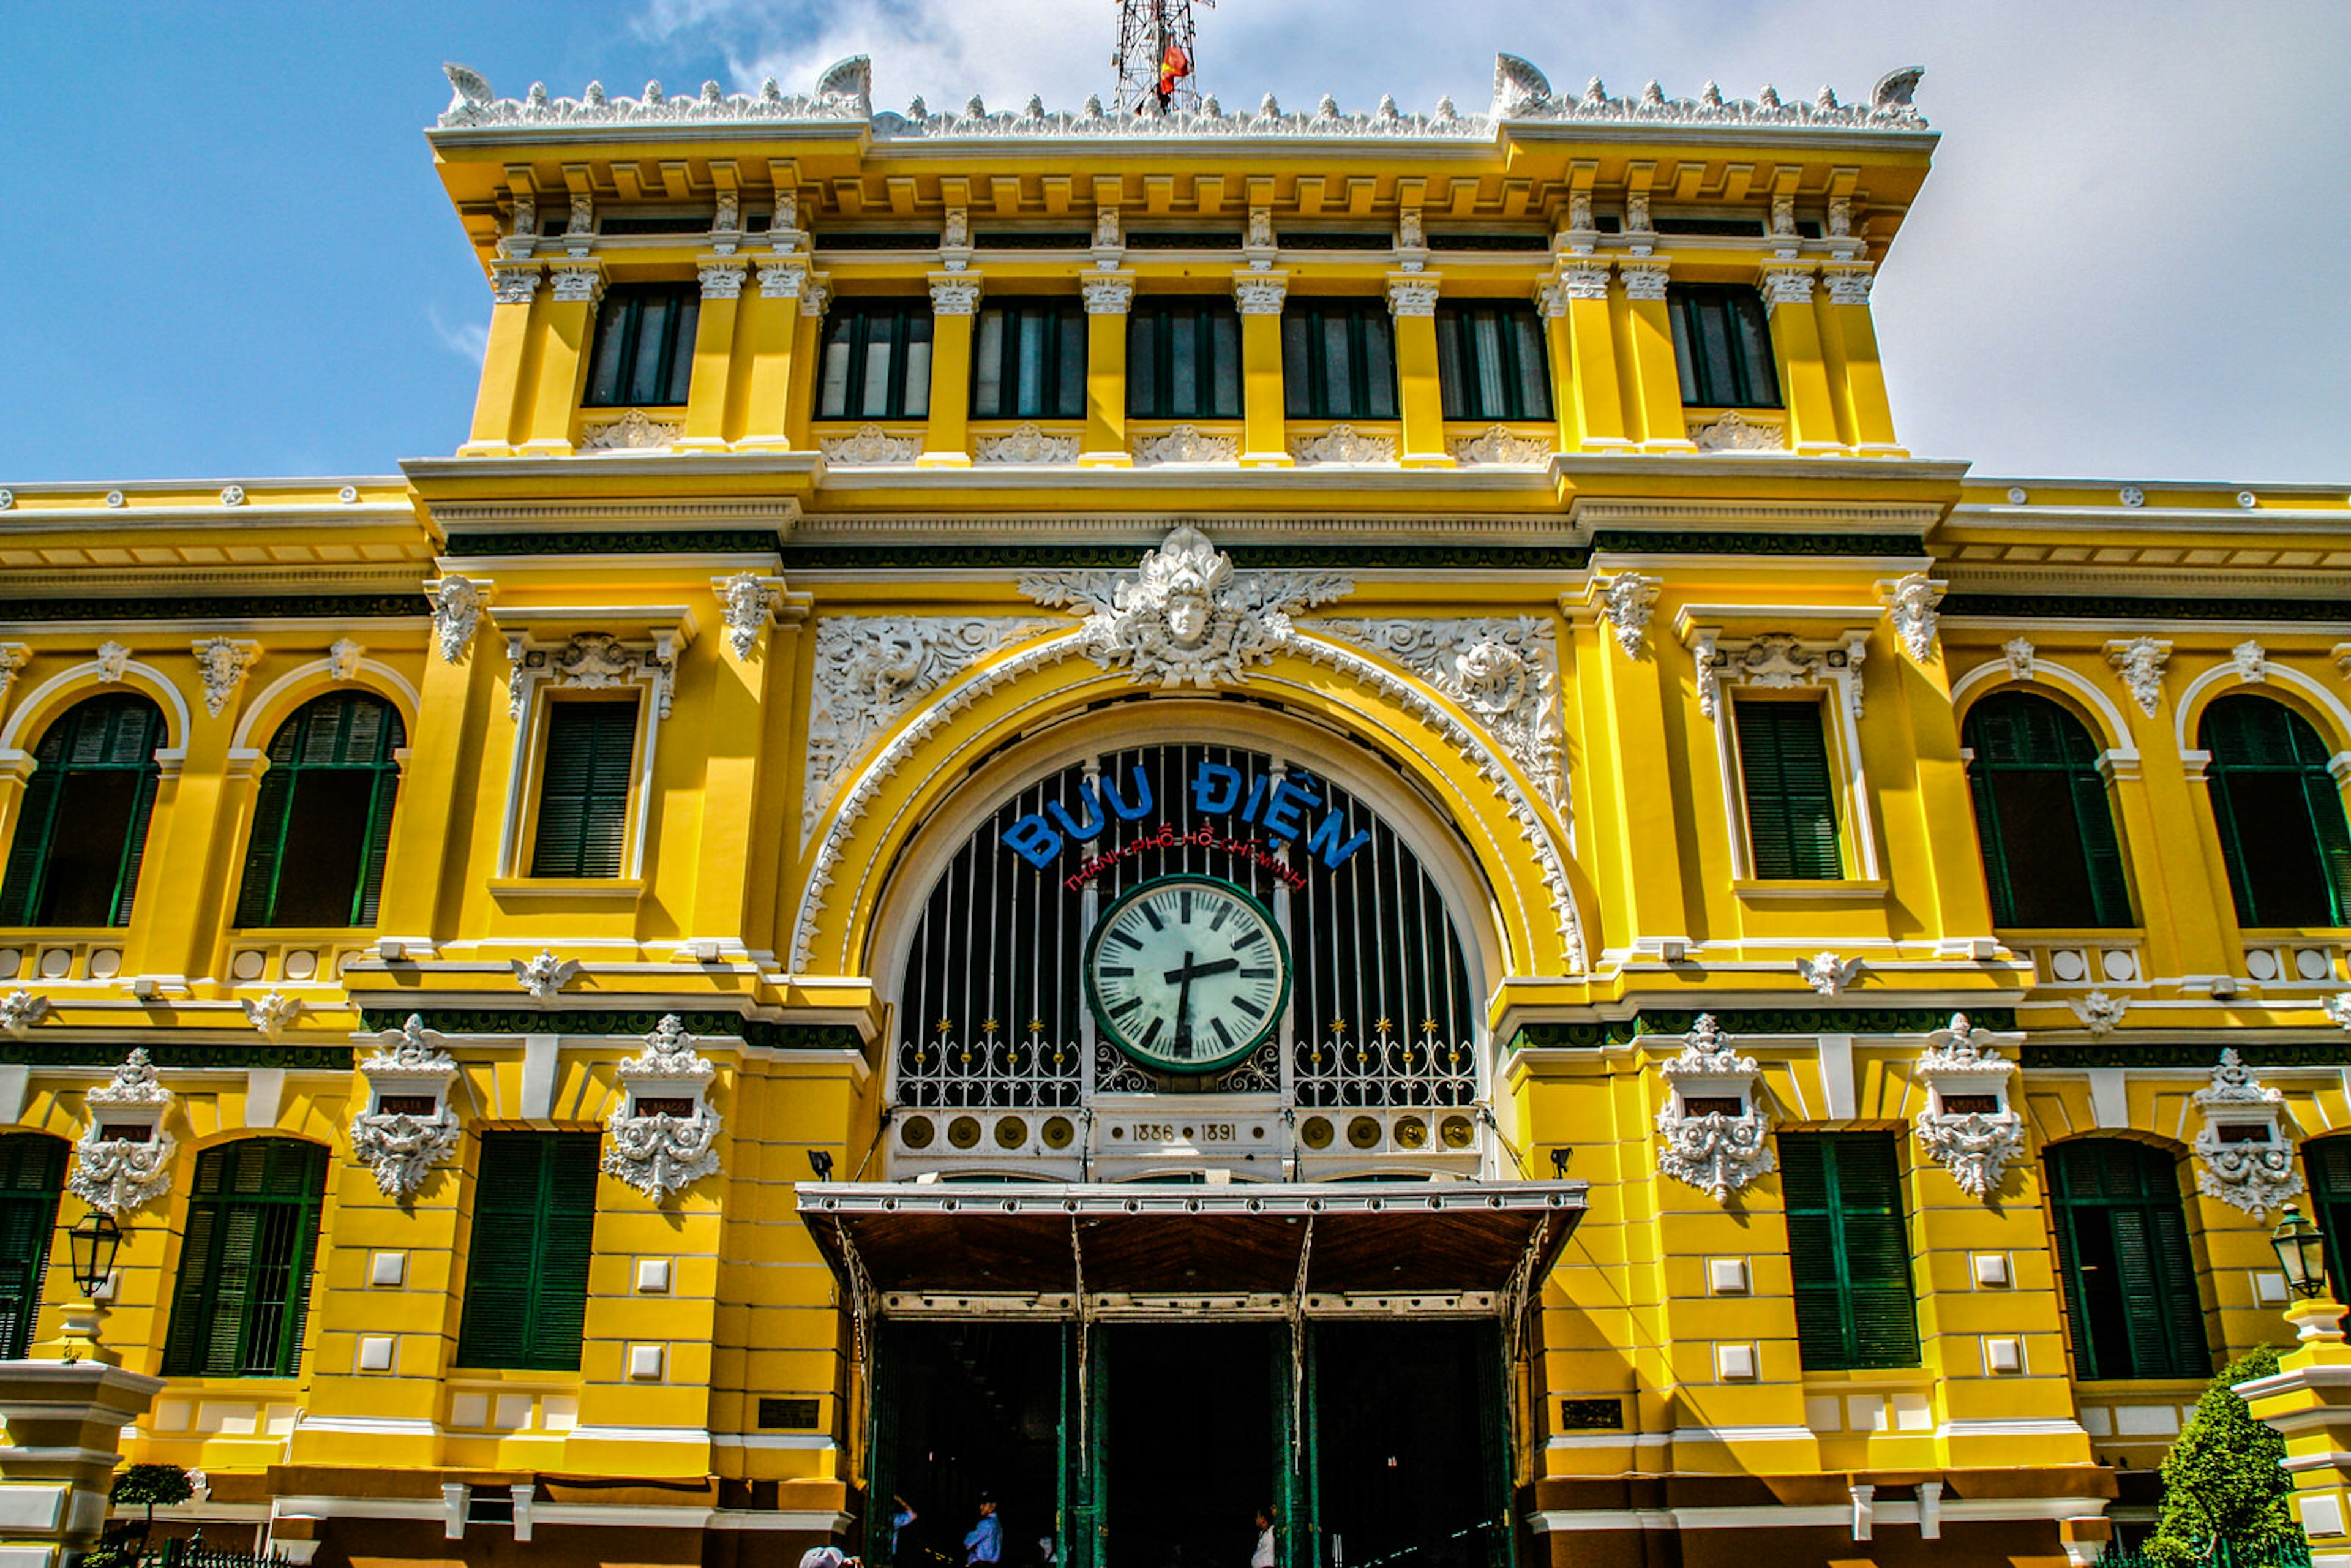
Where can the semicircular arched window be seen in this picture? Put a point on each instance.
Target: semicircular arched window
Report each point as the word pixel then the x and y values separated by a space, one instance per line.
pixel 78 864
pixel 2043 819
pixel 322 820
pixel 2279 812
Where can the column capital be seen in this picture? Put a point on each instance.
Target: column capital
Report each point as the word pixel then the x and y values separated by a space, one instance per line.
pixel 515 282
pixel 816 293
pixel 1413 294
pixel 1644 279
pixel 781 276
pixel 578 280
pixel 721 275
pixel 955 293
pixel 1108 293
pixel 1785 283
pixel 1261 293
pixel 1849 283
pixel 1572 281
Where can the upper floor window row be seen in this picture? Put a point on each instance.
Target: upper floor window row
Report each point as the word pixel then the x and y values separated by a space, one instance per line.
pixel 644 356
pixel 1722 346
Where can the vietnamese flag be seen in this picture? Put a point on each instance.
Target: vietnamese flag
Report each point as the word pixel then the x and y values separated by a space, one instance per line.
pixel 1174 65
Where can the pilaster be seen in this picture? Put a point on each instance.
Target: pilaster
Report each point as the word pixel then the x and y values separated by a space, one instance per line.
pixel 1260 295
pixel 1109 297
pixel 954 300
pixel 498 412
pixel 1850 337
pixel 808 333
pixel 1582 297
pixel 713 353
pixel 426 829
pixel 1787 292
pixel 1412 302
pixel 568 321
pixel 1656 377
pixel 774 317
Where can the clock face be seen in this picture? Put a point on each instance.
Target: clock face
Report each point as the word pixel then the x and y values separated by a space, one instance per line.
pixel 1187 974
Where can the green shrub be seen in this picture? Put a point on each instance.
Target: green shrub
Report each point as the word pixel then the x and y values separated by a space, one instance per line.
pixel 2222 1479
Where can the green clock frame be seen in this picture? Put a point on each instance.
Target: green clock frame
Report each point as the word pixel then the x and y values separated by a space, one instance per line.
pixel 1109 1031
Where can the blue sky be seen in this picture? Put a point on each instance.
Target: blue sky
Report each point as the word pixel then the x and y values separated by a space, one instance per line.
pixel 226 252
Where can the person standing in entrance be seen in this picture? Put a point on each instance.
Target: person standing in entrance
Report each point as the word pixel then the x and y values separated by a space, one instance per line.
pixel 1263 1557
pixel 986 1541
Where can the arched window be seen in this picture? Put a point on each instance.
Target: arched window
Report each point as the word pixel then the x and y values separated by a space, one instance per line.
pixel 2131 1304
pixel 323 818
pixel 77 864
pixel 2279 813
pixel 2041 815
pixel 245 1265
pixel 32 1173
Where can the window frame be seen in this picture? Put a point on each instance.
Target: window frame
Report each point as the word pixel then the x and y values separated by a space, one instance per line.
pixel 541 1277
pixel 2322 800
pixel 1753 385
pixel 187 1346
pixel 637 744
pixel 1002 327
pixel 908 397
pixel 623 310
pixel 25 876
pixel 1157 316
pixel 2106 870
pixel 278 796
pixel 1745 708
pixel 2180 1358
pixel 1308 397
pixel 1828 1280
pixel 32 1183
pixel 1518 330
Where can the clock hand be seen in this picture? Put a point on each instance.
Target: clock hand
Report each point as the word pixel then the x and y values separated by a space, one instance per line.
pixel 1183 1006
pixel 1191 971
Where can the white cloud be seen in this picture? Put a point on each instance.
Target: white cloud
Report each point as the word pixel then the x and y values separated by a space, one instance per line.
pixel 2131 257
pixel 469 340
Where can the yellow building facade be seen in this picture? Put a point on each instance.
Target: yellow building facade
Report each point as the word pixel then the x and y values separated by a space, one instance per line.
pixel 1158 816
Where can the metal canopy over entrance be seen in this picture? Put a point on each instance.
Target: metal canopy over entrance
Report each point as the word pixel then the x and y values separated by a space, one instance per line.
pixel 905 1248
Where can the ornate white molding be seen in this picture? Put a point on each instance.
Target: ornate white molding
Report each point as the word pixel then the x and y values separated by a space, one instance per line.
pixel 870 447
pixel 1186 615
pixel 2243 1156
pixel 546 976
pixel 1848 283
pixel 222 661
pixel 456 611
pixel 955 293
pixel 659 1151
pixel 1828 974
pixel 2099 1012
pixel 1183 444
pixel 1785 283
pixel 516 282
pixel 723 279
pixel 1626 604
pixel 1027 442
pixel 1912 600
pixel 402 1145
pixel 1777 661
pixel 579 282
pixel 1261 293
pixel 2338 1009
pixel 1343 444
pixel 273 1013
pixel 592 661
pixel 632 432
pixel 1505 673
pixel 2018 651
pixel 816 295
pixel 781 276
pixel 1108 293
pixel 20 1010
pixel 14 657
pixel 1738 431
pixel 2251 660
pixel 2139 663
pixel 1413 296
pixel 1581 280
pixel 1498 446
pixel 1960 1070
pixel 343 659
pixel 133 1167
pixel 113 658
pixel 1710 1146
pixel 747 604
pixel 1644 279
pixel 868 670
pixel 843 92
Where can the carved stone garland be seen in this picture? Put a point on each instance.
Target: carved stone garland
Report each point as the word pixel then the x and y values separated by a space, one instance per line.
pixel 747 602
pixel 870 446
pixel 1626 604
pixel 1498 446
pixel 1027 442
pixel 1976 1145
pixel 659 1152
pixel 1777 661
pixel 1504 672
pixel 456 611
pixel 2243 1156
pixel 1708 1145
pixel 223 662
pixel 402 1148
pixel 869 669
pixel 2140 664
pixel 116 1175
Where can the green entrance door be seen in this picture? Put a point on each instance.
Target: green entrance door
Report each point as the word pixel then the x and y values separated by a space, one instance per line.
pixel 1191 1441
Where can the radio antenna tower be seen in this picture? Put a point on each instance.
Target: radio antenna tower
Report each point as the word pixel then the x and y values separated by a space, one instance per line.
pixel 1156 65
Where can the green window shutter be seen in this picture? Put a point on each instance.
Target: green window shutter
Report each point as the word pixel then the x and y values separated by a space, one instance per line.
pixel 1995 855
pixel 244 1288
pixel 2132 1306
pixel 2325 798
pixel 1849 1250
pixel 20 892
pixel 378 847
pixel 2094 816
pixel 134 847
pixel 264 846
pixel 526 1267
pixel 583 803
pixel 1791 823
pixel 32 1171
pixel 2328 1163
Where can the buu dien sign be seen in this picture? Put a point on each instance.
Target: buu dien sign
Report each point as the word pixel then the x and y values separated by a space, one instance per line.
pixel 1284 806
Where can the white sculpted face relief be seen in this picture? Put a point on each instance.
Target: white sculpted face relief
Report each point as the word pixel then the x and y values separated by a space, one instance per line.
pixel 1718 1137
pixel 659 1151
pixel 1968 1127
pixel 402 1148
pixel 133 1167
pixel 2243 1156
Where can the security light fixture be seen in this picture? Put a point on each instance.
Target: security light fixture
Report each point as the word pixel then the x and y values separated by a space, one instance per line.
pixel 94 1241
pixel 2302 1253
pixel 1559 1159
pixel 820 1162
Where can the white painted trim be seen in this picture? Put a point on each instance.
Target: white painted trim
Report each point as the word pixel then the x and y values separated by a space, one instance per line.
pixel 148 676
pixel 1745 1435
pixel 1989 1509
pixel 2051 1427
pixel 403 695
pixel 815 1440
pixel 640 1435
pixel 1610 1440
pixel 376 1426
pixel 2222 673
pixel 1995 672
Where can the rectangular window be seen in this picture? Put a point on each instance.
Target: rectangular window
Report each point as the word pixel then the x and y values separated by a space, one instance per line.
pixel 1490 363
pixel 1184 359
pixel 1722 343
pixel 1848 1251
pixel 527 1266
pixel 584 788
pixel 1338 360
pixel 877 360
pixel 32 1171
pixel 644 356
pixel 244 1288
pixel 1784 774
pixel 2132 1306
pixel 1028 360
